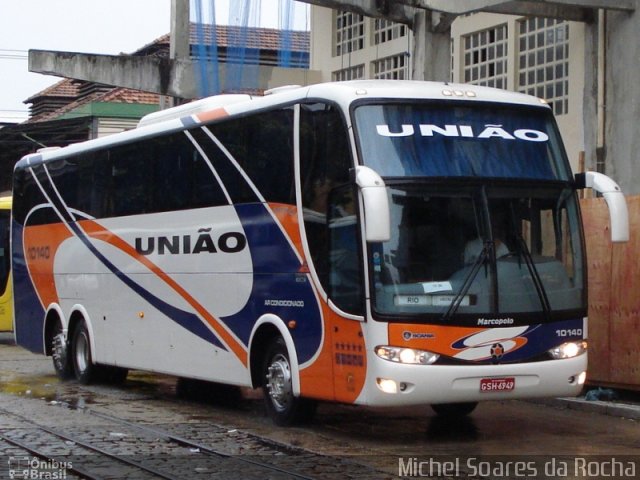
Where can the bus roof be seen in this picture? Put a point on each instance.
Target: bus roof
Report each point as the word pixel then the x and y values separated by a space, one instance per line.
pixel 343 93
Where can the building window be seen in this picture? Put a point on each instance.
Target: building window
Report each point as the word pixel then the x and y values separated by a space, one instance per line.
pixel 349 32
pixel 544 61
pixel 485 57
pixel 351 73
pixel 386 30
pixel 394 68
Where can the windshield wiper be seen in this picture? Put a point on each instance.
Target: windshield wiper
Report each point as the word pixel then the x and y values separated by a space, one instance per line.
pixel 535 276
pixel 468 281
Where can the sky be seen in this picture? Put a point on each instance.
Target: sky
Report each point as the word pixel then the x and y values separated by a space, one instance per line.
pixel 89 26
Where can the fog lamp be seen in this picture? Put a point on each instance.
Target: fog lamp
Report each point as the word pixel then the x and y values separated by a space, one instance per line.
pixel 387 385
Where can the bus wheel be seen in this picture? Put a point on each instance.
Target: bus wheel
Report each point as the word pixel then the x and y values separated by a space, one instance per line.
pixel 283 407
pixel 454 409
pixel 60 354
pixel 83 367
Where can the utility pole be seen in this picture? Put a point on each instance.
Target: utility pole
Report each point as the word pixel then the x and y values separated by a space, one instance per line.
pixel 179 45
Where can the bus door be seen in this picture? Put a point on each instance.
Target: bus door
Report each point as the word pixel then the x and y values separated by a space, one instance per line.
pixel 328 201
pixel 346 293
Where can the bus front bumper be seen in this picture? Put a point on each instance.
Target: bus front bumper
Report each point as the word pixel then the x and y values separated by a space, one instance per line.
pixel 395 384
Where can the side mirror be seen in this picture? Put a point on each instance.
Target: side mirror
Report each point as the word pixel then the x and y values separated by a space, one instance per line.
pixel 377 223
pixel 615 201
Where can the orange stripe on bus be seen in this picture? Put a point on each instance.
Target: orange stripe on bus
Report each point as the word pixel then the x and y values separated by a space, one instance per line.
pixel 342 358
pixel 41 244
pixel 287 215
pixel 212 115
pixel 98 232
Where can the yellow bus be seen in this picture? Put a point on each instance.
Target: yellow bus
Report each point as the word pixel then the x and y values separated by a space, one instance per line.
pixel 6 302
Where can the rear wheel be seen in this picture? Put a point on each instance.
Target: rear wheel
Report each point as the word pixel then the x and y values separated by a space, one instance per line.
pixel 282 405
pixel 60 353
pixel 454 409
pixel 83 367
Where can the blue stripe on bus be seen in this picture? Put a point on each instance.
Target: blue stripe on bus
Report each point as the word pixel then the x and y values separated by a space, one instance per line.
pixel 29 314
pixel 543 337
pixel 188 121
pixel 277 288
pixel 540 339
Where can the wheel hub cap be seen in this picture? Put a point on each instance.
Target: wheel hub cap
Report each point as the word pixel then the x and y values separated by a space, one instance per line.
pixel 279 382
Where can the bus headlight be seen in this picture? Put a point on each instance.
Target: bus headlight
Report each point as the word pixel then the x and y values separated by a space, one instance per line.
pixel 569 350
pixel 409 356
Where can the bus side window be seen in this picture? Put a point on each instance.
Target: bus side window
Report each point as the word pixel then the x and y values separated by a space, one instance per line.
pixel 130 167
pixel 181 178
pixel 262 145
pixel 331 232
pixel 28 194
pixel 345 279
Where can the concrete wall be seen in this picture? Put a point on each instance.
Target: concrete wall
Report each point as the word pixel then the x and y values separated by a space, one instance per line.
pixel 622 100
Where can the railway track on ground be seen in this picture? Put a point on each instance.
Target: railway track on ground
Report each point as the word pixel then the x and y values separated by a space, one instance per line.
pixel 110 446
pixel 161 453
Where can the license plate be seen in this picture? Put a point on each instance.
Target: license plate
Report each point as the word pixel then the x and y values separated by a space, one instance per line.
pixel 497 384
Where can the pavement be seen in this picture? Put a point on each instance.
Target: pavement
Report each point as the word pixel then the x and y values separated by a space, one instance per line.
pixel 616 408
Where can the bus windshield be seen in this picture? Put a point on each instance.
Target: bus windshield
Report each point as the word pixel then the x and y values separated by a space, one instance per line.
pixel 465 140
pixel 484 222
pixel 468 254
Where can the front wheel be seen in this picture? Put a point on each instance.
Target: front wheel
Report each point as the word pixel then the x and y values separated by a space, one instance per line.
pixel 283 406
pixel 454 409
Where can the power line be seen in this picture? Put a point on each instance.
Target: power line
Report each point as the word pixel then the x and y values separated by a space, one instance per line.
pixel 14 57
pixel 13 54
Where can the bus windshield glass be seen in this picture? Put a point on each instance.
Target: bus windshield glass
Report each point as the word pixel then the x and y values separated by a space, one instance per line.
pixel 460 140
pixel 467 253
pixel 484 221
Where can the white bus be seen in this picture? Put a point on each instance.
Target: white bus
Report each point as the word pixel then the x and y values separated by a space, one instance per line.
pixel 375 242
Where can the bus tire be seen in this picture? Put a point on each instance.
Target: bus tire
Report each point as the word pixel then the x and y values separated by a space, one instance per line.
pixel 60 353
pixel 84 369
pixel 282 405
pixel 454 410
